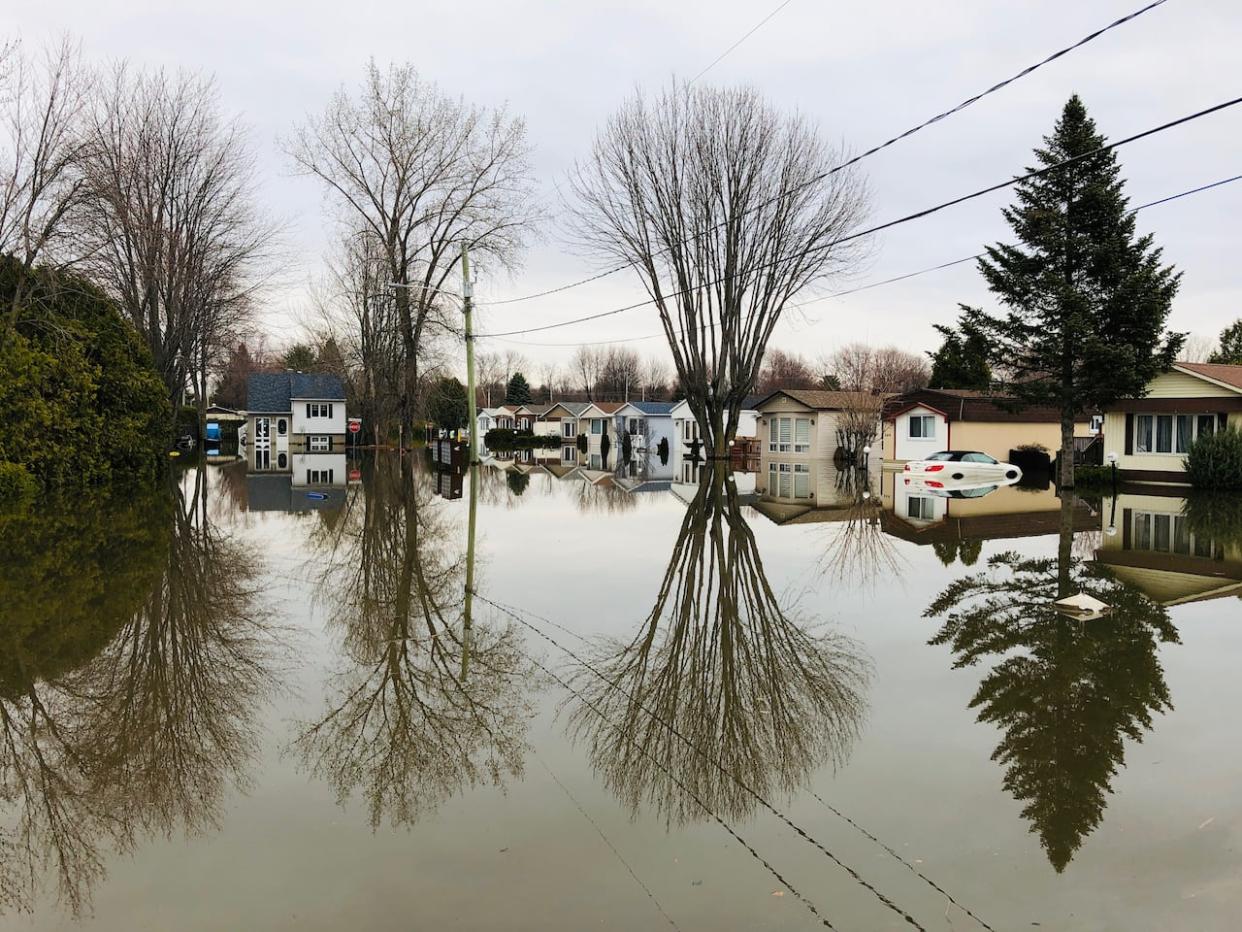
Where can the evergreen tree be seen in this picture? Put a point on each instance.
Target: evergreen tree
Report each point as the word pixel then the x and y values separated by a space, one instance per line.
pixel 830 383
pixel 962 360
pixel 1085 298
pixel 517 392
pixel 447 405
pixel 1230 352
pixel 300 358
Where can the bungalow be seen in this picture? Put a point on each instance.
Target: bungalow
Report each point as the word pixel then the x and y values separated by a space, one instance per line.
pixel 806 424
pixel 293 412
pixel 561 420
pixel 686 427
pixel 1151 435
pixel 647 422
pixel 928 420
pixel 597 421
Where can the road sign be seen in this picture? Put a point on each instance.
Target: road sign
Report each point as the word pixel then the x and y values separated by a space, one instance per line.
pixel 355 425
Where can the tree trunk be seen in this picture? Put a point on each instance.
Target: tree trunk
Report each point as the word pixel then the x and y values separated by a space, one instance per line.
pixel 1066 478
pixel 1065 545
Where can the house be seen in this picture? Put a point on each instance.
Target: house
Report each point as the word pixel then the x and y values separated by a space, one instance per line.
pixel 561 419
pixel 928 420
pixel 686 427
pixel 1151 435
pixel 805 424
pixel 812 492
pixel 223 423
pixel 597 421
pixel 308 482
pixel 1154 543
pixel 293 412
pixel 527 416
pixel 648 423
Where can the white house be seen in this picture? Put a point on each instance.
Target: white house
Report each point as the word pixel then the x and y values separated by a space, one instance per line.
pixel 648 423
pixel 561 420
pixel 686 427
pixel 293 412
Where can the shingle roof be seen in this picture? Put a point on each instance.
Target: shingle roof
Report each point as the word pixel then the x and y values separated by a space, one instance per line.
pixel 274 391
pixel 538 410
pixel 609 407
pixel 820 400
pixel 967 405
pixel 1230 375
pixel 653 407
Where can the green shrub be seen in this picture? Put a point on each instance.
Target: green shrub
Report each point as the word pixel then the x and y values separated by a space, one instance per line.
pixel 582 443
pixel 1215 516
pixel 1215 461
pixel 1093 475
pixel 17 486
pixel 505 438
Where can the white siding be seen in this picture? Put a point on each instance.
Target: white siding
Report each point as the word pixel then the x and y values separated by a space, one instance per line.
pixel 914 448
pixel 318 425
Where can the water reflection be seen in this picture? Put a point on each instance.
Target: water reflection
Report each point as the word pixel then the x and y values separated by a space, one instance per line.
pixel 726 686
pixel 133 668
pixel 405 727
pixel 1066 693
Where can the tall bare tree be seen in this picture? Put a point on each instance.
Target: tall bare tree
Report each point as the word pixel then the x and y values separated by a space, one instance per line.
pixel 858 367
pixel 727 209
pixel 423 174
pixel 171 218
pixel 585 367
pixel 41 108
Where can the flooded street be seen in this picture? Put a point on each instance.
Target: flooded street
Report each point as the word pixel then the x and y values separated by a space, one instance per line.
pixel 777 700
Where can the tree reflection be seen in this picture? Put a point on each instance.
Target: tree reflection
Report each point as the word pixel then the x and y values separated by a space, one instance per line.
pixel 760 700
pixel 1067 693
pixel 131 671
pixel 406 728
pixel 856 548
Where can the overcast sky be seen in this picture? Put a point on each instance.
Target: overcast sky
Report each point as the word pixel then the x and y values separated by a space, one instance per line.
pixel 864 72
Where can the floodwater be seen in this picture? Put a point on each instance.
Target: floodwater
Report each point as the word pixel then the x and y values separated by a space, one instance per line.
pixel 785 700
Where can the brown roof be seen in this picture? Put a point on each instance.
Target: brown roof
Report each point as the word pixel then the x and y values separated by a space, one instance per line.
pixel 1230 375
pixel 820 400
pixel 965 405
pixel 610 407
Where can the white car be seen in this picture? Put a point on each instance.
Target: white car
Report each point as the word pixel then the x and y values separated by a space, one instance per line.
pixel 955 488
pixel 963 466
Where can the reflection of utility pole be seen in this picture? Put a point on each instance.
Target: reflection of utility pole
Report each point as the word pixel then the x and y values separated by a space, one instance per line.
pixel 467 619
pixel 467 290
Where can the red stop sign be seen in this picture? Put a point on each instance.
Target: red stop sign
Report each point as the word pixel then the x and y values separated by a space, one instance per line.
pixel 355 425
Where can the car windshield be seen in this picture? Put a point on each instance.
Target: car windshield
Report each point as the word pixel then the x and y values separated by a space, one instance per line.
pixel 940 457
pixel 978 458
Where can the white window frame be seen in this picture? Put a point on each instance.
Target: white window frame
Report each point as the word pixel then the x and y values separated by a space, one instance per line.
pixel 569 454
pixel 923 420
pixel 1175 446
pixel 319 443
pixel 597 426
pixel 569 429
pixel 925 503
pixel 319 477
pixel 316 409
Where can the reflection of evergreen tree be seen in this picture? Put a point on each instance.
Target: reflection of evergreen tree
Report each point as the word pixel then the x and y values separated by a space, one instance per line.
pixel 1066 693
pixel 763 699
pixel 406 727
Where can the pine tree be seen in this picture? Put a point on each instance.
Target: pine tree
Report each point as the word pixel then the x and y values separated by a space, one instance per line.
pixel 1085 298
pixel 517 392
pixel 1230 352
pixel 962 360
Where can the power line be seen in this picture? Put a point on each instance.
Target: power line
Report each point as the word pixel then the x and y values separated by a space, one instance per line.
pixel 917 215
pixel 858 158
pixel 759 25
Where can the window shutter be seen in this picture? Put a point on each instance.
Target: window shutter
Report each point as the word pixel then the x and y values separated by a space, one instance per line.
pixel 1129 434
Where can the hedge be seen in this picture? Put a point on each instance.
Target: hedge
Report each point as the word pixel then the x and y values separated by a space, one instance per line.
pixel 1215 462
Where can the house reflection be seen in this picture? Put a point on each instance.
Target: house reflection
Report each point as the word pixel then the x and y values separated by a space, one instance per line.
pixel 296 481
pixel 1174 549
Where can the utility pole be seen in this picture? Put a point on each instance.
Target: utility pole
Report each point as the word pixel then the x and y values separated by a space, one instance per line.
pixel 467 292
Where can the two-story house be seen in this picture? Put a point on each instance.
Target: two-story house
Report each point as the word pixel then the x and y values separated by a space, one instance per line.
pixel 293 413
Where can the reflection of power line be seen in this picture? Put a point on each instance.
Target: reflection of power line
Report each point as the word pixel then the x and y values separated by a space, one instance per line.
pixel 611 847
pixel 672 729
pixel 885 281
pixel 858 158
pixel 664 768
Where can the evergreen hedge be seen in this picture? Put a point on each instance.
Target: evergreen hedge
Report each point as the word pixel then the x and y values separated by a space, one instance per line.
pixel 1215 461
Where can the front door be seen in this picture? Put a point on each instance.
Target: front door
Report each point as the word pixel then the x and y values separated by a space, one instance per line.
pixel 262 433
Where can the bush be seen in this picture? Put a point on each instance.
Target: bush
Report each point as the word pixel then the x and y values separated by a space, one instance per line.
pixel 1215 462
pixel 582 443
pixel 17 486
pixel 186 422
pixel 505 438
pixel 1093 476
pixel 1216 517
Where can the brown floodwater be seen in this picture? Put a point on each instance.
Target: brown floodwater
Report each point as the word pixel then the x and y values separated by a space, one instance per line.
pixel 784 700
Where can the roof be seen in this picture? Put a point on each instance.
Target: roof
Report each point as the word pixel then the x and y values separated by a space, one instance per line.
pixel 607 407
pixel 537 410
pixel 959 404
pixel 820 400
pixel 573 407
pixel 275 391
pixel 653 408
pixel 1217 372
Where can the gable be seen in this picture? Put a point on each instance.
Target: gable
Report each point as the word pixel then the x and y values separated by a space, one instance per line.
pixel 1182 384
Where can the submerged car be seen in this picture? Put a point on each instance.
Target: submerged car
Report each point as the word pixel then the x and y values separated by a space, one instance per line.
pixel 963 465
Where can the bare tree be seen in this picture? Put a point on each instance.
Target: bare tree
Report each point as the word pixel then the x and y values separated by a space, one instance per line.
pixel 620 373
pixel 550 374
pixel 41 110
pixel 655 378
pixel 489 372
pixel 727 209
pixel 785 370
pixel 423 174
pixel 586 366
pixel 171 220
pixel 858 367
pixel 1198 348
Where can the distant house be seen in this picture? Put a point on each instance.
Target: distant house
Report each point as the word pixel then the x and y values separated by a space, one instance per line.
pixel 928 420
pixel 561 420
pixel 1151 435
pixel 806 423
pixel 648 422
pixel 223 423
pixel 686 427
pixel 293 412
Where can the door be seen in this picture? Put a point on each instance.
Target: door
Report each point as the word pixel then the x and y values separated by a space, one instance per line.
pixel 262 433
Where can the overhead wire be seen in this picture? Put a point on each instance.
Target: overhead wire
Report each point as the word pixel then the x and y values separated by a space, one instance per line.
pixel 907 218
pixel 858 158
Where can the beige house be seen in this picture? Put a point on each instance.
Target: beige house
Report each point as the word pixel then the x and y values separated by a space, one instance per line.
pixel 1152 435
pixel 801 425
pixel 929 420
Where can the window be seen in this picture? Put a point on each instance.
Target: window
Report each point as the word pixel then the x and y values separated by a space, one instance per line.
pixel 788 433
pixel 1170 533
pixel 921 507
pixel 1170 433
pixel 320 444
pixel 922 427
pixel 262 458
pixel 525 423
pixel 569 454
pixel 318 409
pixel 282 427
pixel 319 477
pixel 282 460
pixel 789 480
pixel 569 429
pixel 597 425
